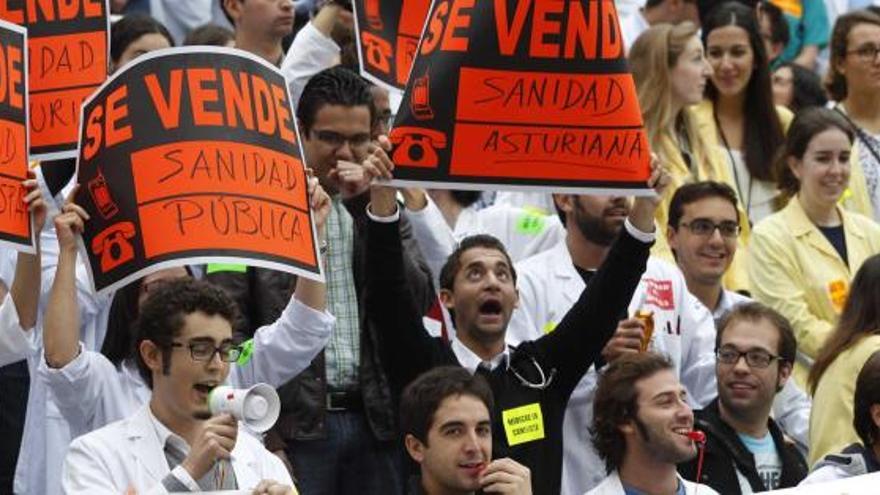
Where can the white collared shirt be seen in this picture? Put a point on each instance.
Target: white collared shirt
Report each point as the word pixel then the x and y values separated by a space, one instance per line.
pixel 165 436
pixel 469 360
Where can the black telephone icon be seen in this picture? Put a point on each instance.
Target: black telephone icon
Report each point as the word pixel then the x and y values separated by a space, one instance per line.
pixel 113 245
pixel 416 146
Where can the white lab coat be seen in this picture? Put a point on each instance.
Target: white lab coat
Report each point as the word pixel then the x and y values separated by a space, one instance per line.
pixel 128 454
pixel 16 343
pixel 613 486
pixel 523 232
pixel 46 434
pixel 549 285
pixel 90 392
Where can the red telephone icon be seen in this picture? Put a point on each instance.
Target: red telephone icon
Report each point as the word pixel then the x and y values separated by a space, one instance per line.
pixel 113 245
pixel 100 193
pixel 420 101
pixel 374 19
pixel 416 146
pixel 377 51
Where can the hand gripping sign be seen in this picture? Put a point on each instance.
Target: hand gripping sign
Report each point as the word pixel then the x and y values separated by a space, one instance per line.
pixel 15 223
pixel 521 94
pixel 69 46
pixel 191 154
pixel 388 33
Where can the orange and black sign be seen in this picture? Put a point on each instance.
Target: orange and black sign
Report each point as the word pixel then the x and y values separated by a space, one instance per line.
pixel 68 44
pixel 388 34
pixel 192 154
pixel 521 93
pixel 15 223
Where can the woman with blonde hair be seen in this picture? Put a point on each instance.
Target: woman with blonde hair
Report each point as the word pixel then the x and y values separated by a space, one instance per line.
pixel 671 72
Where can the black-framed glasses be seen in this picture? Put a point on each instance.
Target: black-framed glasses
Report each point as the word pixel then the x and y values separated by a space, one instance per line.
pixel 704 227
pixel 204 350
pixel 755 358
pixel 865 53
pixel 336 140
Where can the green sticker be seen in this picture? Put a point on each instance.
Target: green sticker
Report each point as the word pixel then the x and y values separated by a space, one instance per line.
pixel 548 327
pixel 530 223
pixel 226 267
pixel 247 350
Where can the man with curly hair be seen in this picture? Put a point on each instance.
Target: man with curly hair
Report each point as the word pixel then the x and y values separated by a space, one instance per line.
pixel 641 426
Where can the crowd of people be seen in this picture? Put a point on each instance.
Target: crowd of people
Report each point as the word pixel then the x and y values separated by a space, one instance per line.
pixel 719 336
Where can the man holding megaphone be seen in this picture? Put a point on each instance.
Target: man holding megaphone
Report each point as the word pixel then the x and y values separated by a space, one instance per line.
pixel 187 437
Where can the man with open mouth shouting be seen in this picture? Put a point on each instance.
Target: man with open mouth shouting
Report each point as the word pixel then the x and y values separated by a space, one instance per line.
pixel 532 383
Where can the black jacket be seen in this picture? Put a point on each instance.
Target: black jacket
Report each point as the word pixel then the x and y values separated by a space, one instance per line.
pixel 724 449
pixel 565 354
pixel 262 294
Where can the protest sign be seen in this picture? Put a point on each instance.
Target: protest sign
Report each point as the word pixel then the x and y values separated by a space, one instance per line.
pixel 191 154
pixel 16 230
pixel 388 33
pixel 521 95
pixel 68 44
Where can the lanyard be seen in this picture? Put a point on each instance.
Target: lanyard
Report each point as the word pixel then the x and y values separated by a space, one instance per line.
pixel 862 135
pixel 742 198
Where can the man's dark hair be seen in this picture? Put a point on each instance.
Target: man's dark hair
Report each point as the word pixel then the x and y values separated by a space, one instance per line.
pixel 754 312
pixel 209 35
pixel 453 263
pixel 778 25
pixel 163 313
pixel 867 394
pixel 422 397
pixel 696 191
pixel 333 86
pixel 616 402
pixel 129 29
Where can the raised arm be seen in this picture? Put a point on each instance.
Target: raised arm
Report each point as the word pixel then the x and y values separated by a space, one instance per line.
pixel 280 351
pixel 61 325
pixel 26 285
pixel 16 341
pixel 405 345
pixel 582 334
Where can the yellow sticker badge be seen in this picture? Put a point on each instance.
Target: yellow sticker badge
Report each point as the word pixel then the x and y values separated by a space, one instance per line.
pixel 523 424
pixel 837 291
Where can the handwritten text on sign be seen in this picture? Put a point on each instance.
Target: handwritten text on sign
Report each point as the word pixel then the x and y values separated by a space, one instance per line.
pixel 208 169
pixel 68 60
pixel 542 99
pixel 15 224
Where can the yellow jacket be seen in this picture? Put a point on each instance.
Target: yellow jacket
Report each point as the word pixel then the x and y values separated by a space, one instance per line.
pixel 796 271
pixel 831 416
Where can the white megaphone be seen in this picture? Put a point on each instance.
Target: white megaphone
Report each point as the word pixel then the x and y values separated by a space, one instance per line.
pixel 257 407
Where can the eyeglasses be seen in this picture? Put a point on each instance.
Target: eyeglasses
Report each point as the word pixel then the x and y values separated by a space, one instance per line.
pixel 755 358
pixel 866 53
pixel 204 351
pixel 704 227
pixel 336 140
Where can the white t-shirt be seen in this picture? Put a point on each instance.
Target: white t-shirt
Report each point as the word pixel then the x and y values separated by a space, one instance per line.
pixel 767 462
